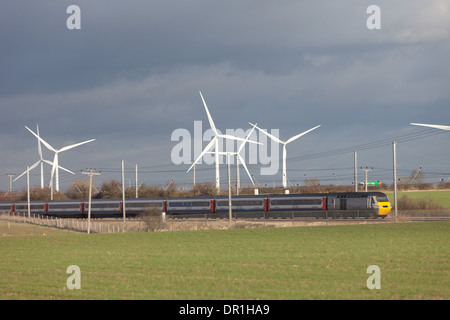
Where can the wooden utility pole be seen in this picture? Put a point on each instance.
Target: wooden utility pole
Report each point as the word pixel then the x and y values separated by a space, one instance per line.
pixel 137 187
pixel 356 170
pixel 394 151
pixel 11 175
pixel 238 182
pixel 28 192
pixel 229 190
pixel 90 173
pixel 123 190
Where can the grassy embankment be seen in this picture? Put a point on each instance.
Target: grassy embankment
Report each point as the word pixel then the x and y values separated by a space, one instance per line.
pixel 320 262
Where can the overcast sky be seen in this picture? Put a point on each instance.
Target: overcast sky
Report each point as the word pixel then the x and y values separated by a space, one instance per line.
pixel 132 75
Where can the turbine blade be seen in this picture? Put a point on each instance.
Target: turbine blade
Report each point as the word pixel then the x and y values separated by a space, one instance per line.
pixel 29 169
pixel 246 139
pixel 47 161
pixel 227 136
pixel 432 126
pixel 67 170
pixel 209 146
pixel 75 145
pixel 267 134
pixel 42 140
pixel 39 143
pixel 20 176
pixel 211 122
pixel 301 134
pixel 51 163
pixel 34 165
pixel 246 169
pixel 221 152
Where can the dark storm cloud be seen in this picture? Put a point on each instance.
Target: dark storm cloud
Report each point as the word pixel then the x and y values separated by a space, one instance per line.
pixel 131 75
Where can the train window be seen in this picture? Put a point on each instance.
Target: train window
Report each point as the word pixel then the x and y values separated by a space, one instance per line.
pixel 224 203
pixel 246 203
pixel 178 204
pixel 5 208
pixel 102 205
pixel 135 205
pixel 64 206
pixel 296 202
pixel 144 205
pixel 189 204
pixel 382 198
pixel 153 205
pixel 32 207
pixel 201 204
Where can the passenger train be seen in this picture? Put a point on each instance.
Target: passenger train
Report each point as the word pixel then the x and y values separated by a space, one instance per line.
pixel 319 205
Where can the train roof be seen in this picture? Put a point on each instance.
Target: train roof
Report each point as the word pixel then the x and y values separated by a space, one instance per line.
pixel 357 194
pixel 338 194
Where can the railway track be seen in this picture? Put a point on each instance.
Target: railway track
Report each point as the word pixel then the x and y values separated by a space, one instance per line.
pixel 313 219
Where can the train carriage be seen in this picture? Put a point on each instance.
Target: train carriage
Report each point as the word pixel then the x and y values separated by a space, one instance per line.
pixel 189 206
pixel 21 208
pixel 242 206
pixel 134 207
pixel 65 209
pixel 6 208
pixel 296 205
pixel 104 208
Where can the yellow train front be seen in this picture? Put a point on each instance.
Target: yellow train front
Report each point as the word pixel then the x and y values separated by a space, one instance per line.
pixel 358 204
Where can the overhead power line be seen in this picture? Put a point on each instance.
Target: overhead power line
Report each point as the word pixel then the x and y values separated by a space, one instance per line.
pixel 370 145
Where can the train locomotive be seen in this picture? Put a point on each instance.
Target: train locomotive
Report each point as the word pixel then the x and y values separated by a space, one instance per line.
pixel 319 205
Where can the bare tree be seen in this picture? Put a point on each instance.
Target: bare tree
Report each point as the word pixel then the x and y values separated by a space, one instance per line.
pixel 79 189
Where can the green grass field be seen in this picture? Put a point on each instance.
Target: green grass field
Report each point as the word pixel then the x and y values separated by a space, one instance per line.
pixel 320 262
pixel 441 197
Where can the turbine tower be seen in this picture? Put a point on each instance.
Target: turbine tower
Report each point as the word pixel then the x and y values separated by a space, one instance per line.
pixel 56 166
pixel 215 142
pixel 432 126
pixel 41 162
pixel 284 143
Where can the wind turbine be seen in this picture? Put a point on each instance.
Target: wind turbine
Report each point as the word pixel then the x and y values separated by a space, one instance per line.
pixel 55 159
pixel 215 142
pixel 239 158
pixel 432 126
pixel 284 143
pixel 41 162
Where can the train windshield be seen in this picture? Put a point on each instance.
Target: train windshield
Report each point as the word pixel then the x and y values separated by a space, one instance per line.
pixel 382 199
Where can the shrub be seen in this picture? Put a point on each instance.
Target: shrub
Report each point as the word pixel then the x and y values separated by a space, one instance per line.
pixel 153 220
pixel 204 189
pixel 405 203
